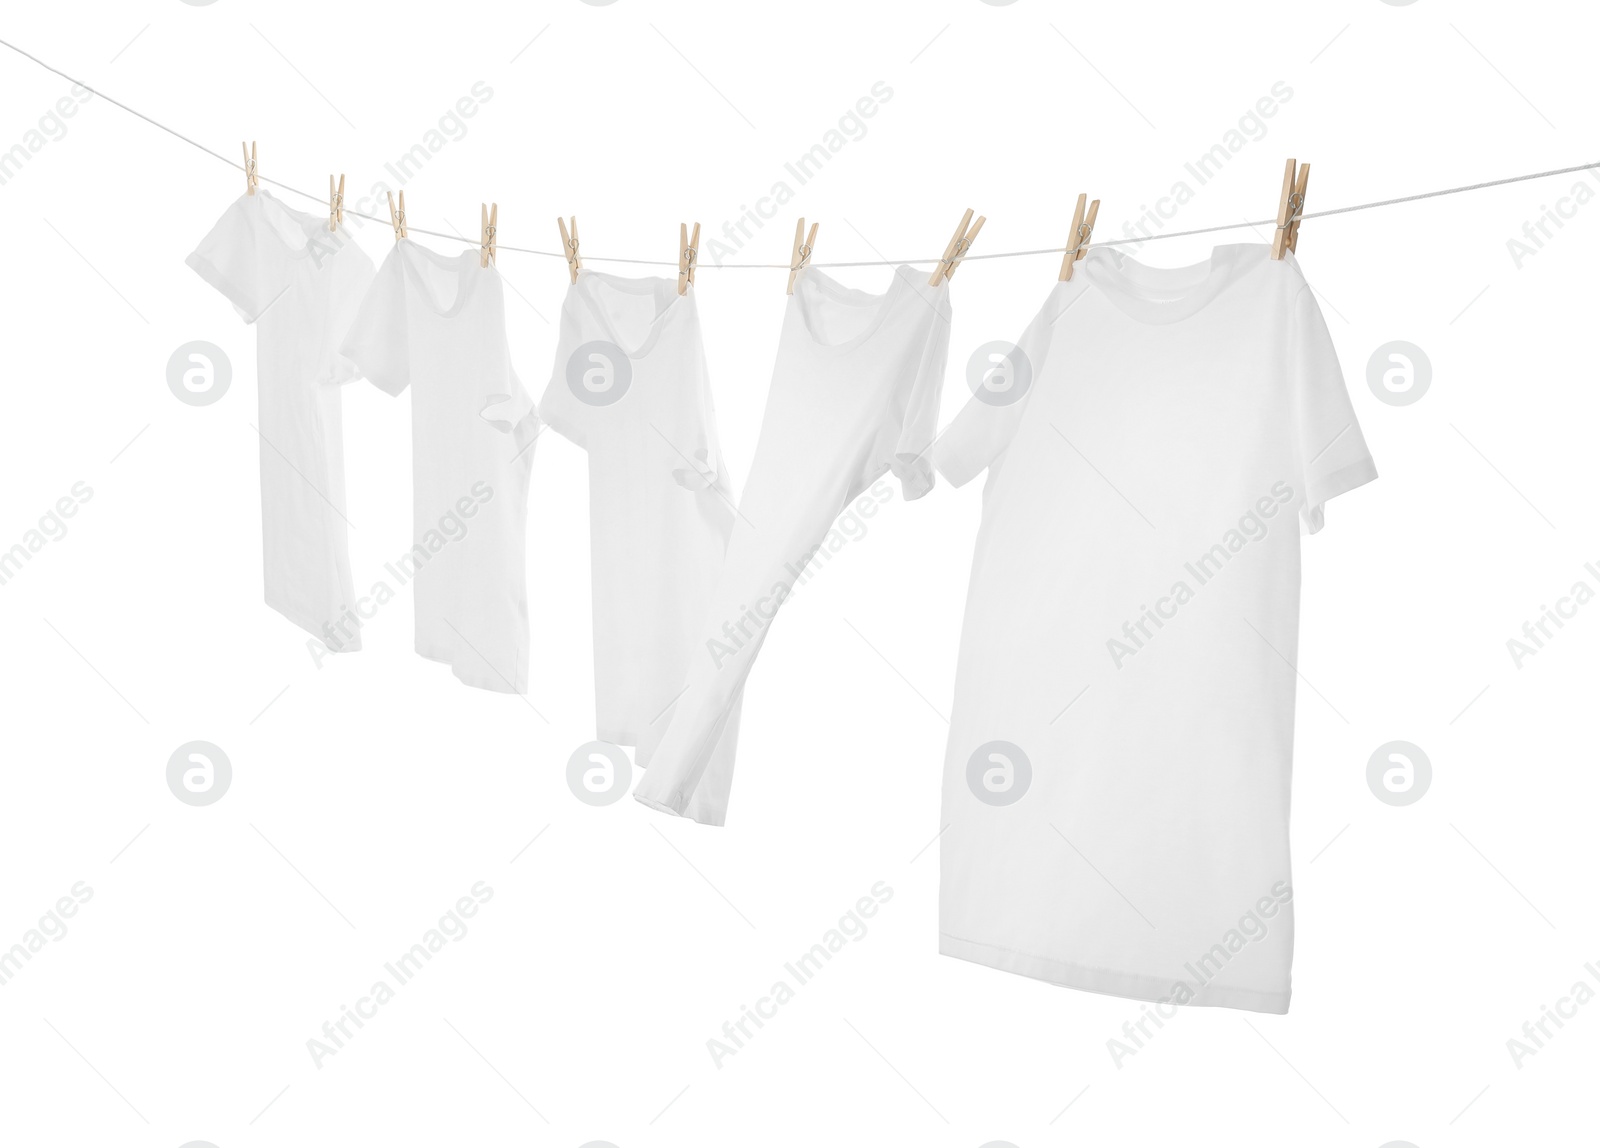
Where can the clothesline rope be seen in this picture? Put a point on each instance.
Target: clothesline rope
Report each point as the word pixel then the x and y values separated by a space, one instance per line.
pixel 316 198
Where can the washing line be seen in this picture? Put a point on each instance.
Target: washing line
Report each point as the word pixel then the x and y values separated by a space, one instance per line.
pixel 1322 214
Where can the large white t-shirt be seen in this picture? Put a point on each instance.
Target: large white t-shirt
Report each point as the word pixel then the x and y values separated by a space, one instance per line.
pixel 300 284
pixel 1116 785
pixel 437 324
pixel 630 387
pixel 855 394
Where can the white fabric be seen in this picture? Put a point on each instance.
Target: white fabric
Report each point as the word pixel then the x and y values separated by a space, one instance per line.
pixel 437 324
pixel 630 387
pixel 300 284
pixel 1131 627
pixel 855 393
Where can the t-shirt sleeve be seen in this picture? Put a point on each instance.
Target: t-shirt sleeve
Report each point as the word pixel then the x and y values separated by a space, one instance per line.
pixel 511 410
pixel 984 427
pixel 376 343
pixel 919 418
pixel 245 259
pixel 559 407
pixel 1330 452
pixel 353 274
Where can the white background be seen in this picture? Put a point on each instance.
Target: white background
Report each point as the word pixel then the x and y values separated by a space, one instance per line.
pixel 370 794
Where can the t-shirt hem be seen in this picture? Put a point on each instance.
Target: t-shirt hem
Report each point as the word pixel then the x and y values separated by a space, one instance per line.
pixel 915 474
pixel 319 628
pixel 492 681
pixel 340 372
pixel 914 482
pixel 389 386
pixel 1328 486
pixel 951 467
pixel 617 734
pixel 229 289
pixel 665 806
pixel 551 415
pixel 1136 986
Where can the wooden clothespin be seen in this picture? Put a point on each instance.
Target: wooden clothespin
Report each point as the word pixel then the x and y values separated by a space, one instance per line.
pixel 956 248
pixel 251 179
pixel 1078 237
pixel 569 244
pixel 801 255
pixel 490 222
pixel 335 203
pixel 1291 203
pixel 398 217
pixel 688 256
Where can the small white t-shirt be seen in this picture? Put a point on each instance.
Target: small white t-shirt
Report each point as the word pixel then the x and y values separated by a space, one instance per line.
pixel 855 394
pixel 437 324
pixel 300 284
pixel 630 387
pixel 1116 785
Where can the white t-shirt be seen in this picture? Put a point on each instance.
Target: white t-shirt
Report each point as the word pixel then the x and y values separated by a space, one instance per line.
pixel 437 324
pixel 630 387
pixel 300 284
pixel 1116 786
pixel 855 394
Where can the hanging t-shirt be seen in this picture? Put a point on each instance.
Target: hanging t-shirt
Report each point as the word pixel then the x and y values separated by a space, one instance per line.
pixel 630 387
pixel 300 284
pixel 855 394
pixel 1116 788
pixel 437 324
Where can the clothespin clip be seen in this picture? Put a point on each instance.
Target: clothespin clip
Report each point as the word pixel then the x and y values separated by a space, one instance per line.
pixel 1291 203
pixel 800 257
pixel 490 222
pixel 956 248
pixel 688 256
pixel 1078 238
pixel 335 203
pixel 251 179
pixel 569 244
pixel 398 217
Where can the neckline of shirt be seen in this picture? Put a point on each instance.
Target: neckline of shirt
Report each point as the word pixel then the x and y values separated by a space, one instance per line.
pixel 297 229
pixel 464 265
pixel 1158 295
pixel 668 303
pixel 811 281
